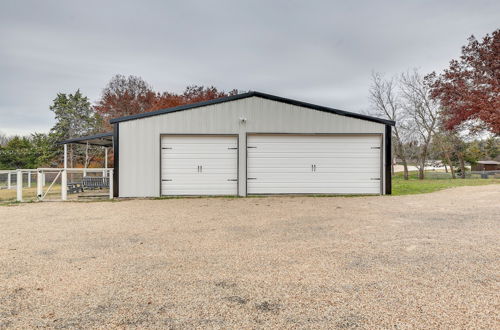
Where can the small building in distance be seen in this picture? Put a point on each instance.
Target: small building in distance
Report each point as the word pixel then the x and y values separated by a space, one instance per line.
pixel 486 165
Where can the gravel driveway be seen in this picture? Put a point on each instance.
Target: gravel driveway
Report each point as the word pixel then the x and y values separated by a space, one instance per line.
pixel 421 261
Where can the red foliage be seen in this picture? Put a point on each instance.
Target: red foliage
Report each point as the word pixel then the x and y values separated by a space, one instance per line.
pixel 124 96
pixel 192 94
pixel 470 87
pixel 128 96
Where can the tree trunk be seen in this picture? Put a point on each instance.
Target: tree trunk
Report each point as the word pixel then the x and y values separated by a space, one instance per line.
pixel 402 156
pixel 421 175
pixel 445 168
pixel 423 158
pixel 405 170
pixel 452 170
pixel 462 164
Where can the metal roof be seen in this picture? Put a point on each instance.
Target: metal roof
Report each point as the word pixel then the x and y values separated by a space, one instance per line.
pixel 250 94
pixel 488 162
pixel 102 139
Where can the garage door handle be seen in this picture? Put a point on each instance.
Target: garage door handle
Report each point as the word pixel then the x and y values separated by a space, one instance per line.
pixel 375 179
pixel 166 180
pixel 251 178
pixel 232 179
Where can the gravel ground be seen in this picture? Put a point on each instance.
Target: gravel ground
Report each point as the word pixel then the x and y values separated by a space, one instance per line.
pixel 420 261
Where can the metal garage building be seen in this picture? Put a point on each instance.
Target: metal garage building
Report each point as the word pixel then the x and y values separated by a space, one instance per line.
pixel 251 143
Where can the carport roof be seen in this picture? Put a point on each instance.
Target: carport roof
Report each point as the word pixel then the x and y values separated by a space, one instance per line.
pixel 258 94
pixel 102 139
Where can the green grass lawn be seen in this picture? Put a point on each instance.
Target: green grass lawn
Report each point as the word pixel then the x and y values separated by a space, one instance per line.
pixel 415 186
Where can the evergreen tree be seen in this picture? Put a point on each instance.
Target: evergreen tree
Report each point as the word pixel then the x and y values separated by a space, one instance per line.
pixel 75 117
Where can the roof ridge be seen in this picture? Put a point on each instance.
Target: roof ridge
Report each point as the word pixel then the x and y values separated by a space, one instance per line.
pixel 251 94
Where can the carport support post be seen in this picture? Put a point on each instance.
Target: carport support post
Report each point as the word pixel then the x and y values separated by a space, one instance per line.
pixel 110 183
pixel 19 186
pixel 29 179
pixel 105 161
pixel 86 159
pixel 9 178
pixel 64 178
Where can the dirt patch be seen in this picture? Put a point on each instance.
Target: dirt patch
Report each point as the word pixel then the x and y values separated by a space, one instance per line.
pixel 419 261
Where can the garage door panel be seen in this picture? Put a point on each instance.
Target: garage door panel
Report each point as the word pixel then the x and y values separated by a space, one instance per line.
pixel 284 164
pixel 218 158
pixel 316 190
pixel 201 149
pixel 307 162
pixel 222 178
pixel 189 171
pixel 194 161
pixel 265 173
pixel 321 138
pixel 199 165
pixel 308 154
pixel 313 177
pixel 307 148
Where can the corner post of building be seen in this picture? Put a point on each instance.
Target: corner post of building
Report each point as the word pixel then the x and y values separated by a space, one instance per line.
pixel 388 159
pixel 116 159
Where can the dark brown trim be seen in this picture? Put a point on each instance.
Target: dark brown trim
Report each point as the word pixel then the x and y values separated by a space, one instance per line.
pixel 388 159
pixel 207 134
pixel 116 160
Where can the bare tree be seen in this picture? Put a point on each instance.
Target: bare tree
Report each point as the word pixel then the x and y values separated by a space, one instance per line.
pixel 444 141
pixel 423 111
pixel 386 101
pixel 3 139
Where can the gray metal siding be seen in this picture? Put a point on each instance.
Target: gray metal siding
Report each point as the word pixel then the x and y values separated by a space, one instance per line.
pixel 139 139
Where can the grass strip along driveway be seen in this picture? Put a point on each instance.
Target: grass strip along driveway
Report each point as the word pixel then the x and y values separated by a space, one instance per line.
pixel 432 183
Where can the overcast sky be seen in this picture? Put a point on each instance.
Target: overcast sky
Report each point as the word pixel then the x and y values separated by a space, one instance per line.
pixel 321 52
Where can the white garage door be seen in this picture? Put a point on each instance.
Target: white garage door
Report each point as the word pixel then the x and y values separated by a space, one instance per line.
pixel 321 164
pixel 199 165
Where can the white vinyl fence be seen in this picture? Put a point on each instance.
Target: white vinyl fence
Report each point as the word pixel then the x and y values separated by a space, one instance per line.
pixel 56 183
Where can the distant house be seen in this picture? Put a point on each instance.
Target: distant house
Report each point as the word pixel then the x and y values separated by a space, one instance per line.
pixel 486 165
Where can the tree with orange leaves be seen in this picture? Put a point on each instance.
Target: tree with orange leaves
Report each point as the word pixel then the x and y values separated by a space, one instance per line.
pixel 124 96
